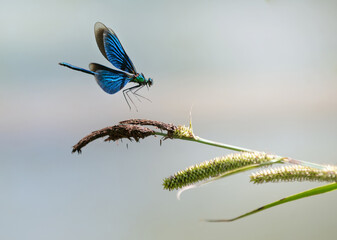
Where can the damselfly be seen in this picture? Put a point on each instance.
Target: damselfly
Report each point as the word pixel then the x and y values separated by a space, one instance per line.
pixel 113 80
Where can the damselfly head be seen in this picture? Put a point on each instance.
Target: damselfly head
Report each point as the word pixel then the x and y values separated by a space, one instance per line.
pixel 149 82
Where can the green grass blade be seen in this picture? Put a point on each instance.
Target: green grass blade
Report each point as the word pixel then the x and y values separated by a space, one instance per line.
pixel 308 193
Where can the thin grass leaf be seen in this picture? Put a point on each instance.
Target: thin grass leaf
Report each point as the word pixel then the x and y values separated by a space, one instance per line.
pixel 308 193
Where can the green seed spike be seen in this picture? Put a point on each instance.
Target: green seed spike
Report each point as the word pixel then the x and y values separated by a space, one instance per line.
pixel 214 168
pixel 183 132
pixel 292 173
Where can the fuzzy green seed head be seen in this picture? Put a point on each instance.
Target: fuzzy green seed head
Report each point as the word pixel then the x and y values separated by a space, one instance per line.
pixel 293 173
pixel 214 168
pixel 183 132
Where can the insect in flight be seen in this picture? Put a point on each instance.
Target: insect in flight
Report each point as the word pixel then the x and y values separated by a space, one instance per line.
pixel 113 80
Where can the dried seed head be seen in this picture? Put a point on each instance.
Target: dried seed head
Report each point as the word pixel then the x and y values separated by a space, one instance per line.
pixel 145 122
pixel 115 133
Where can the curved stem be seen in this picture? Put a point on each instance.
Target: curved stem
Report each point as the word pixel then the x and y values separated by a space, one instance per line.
pixel 240 149
pixel 209 142
pixel 304 163
pixel 217 144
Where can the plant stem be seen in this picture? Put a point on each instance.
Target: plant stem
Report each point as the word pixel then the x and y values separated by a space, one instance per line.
pixel 217 144
pixel 240 149
pixel 304 163
pixel 209 142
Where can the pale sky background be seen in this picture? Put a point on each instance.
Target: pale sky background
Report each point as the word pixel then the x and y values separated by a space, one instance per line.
pixel 259 74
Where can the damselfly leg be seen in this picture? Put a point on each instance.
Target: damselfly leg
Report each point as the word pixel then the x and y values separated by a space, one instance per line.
pixel 136 94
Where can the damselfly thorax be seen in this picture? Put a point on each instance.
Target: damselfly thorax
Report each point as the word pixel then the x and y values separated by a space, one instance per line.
pixel 140 79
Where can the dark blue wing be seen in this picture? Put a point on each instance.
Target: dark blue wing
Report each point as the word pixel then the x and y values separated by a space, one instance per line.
pixel 112 49
pixel 110 80
pixel 116 53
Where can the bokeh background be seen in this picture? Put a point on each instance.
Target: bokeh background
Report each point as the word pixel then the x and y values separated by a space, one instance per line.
pixel 257 74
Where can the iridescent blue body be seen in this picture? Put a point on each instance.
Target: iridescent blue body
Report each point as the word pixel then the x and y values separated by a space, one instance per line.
pixel 113 80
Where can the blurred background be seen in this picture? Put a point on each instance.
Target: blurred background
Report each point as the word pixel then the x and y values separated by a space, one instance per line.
pixel 257 74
